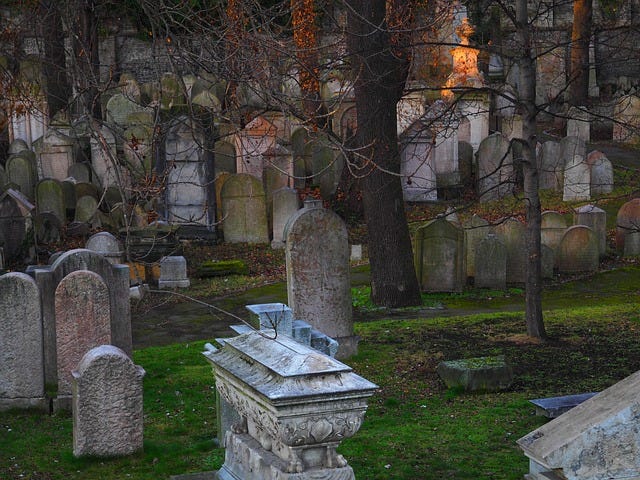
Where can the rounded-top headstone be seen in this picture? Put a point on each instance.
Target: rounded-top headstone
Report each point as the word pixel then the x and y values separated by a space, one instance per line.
pixel 17 146
pixel 627 222
pixel 578 250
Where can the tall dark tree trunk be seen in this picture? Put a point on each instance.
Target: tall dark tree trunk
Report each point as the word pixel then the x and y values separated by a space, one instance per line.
pixel 85 45
pixel 379 82
pixel 527 96
pixel 58 89
pixel 580 37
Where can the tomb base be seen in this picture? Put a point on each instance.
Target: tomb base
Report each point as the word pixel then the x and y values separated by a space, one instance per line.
pixel 40 404
pixel 245 459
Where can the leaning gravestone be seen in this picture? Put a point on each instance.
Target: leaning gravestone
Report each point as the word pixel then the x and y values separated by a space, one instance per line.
pixel 439 257
pixel 596 440
pixel 578 250
pixel 627 223
pixel 104 157
pixel 601 173
pixel 496 175
pixel 552 228
pixel 596 219
pixel 475 230
pixel 512 233
pixel 285 205
pixel 551 166
pixel 22 372
pixel 244 211
pixel 491 263
pixel 116 278
pixel 82 322
pixel 21 171
pixel 108 416
pixel 318 276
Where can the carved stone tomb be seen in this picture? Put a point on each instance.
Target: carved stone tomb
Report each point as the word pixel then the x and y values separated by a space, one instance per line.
pixel 295 404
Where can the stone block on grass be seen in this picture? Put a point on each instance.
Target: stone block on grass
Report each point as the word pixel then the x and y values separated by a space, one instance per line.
pixel 477 374
pixel 222 268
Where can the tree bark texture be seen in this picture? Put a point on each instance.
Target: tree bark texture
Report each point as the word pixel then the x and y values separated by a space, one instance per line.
pixel 379 82
pixel 580 37
pixel 527 95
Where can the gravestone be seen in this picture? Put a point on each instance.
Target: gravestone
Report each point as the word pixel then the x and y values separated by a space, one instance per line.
pixel 83 189
pixel 578 251
pixel 285 204
pixel 475 230
pixel 118 109
pixel 116 278
pixel 251 142
pixel 171 92
pixel 106 245
pixel 318 275
pixel 173 272
pixel 50 198
pixel 12 225
pixel 552 228
pixel 512 233
pixel 17 146
pixel 55 153
pixel 69 195
pixel 47 227
pixel 104 158
pixel 22 372
pixel 21 172
pixel 577 180
pixel 627 223
pixel 108 419
pixel 496 175
pixel 578 123
pixel 326 165
pixel 601 173
pixel 138 150
pixel 595 440
pixel 466 157
pixel 81 172
pixel 244 212
pixel 596 219
pixel 189 176
pixel 82 317
pixel 551 166
pixel 4 180
pixel 225 157
pixel 86 210
pixel 625 114
pixel 491 263
pixel 290 435
pixel 417 167
pixel 439 256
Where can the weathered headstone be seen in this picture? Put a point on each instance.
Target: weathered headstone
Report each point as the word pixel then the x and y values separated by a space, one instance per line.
pixel 50 198
pixel 595 440
pixel 106 245
pixel 551 166
pixel 596 219
pixel 173 272
pixel 82 316
pixel 21 171
pixel 118 109
pixel 116 278
pixel 547 261
pixel 104 158
pixel 475 230
pixel 108 418
pixel 55 153
pixel 80 171
pixel 627 223
pixel 138 150
pixel 578 251
pixel 578 123
pixel 86 209
pixel 318 276
pixel 244 212
pixel 285 204
pixel 47 227
pixel 552 228
pixel 512 234
pixel 416 166
pixel 257 137
pixel 496 175
pixel 625 113
pixel 225 157
pixel 171 92
pixel 577 174
pixel 439 257
pixel 189 175
pixel 490 263
pixel 12 225
pixel 22 372
pixel 601 173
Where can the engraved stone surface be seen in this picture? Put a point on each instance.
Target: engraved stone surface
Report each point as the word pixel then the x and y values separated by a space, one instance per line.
pixel 107 404
pixel 578 250
pixel 82 321
pixel 21 359
pixel 173 272
pixel 296 405
pixel 439 257
pixel 596 440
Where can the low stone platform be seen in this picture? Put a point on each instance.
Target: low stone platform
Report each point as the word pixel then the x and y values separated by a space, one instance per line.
pixel 477 374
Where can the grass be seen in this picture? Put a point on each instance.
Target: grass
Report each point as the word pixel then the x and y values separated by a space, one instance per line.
pixel 415 427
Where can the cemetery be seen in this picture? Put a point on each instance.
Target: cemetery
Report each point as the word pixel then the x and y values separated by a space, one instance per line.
pixel 229 262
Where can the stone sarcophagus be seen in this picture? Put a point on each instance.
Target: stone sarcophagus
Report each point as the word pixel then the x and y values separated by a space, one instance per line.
pixel 295 405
